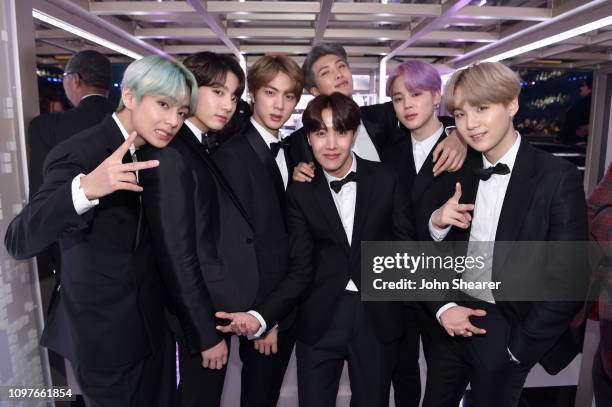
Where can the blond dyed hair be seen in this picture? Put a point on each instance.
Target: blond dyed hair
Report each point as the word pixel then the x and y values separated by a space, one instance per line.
pixel 483 83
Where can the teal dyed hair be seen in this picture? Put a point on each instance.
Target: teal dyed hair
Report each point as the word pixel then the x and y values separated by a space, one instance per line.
pixel 154 75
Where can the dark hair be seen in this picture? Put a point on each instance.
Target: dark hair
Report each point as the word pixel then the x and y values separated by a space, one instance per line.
pixel 211 69
pixel 317 52
pixel 345 113
pixel 93 68
pixel 267 67
pixel 588 81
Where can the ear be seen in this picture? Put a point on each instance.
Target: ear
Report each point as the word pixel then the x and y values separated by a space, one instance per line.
pixel 513 107
pixel 308 138
pixel 437 97
pixel 128 98
pixel 314 91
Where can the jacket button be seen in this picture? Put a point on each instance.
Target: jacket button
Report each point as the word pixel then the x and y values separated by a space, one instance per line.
pixel 249 240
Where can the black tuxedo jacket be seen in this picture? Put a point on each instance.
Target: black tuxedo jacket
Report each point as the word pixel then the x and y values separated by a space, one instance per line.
pixel 48 130
pixel 427 193
pixel 45 132
pixel 109 308
pixel 544 202
pixel 201 235
pixel 251 171
pixel 322 261
pixel 379 120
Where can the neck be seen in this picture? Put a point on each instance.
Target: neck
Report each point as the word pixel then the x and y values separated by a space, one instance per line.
pixel 501 148
pixel 198 123
pixel 273 132
pixel 344 169
pixel 427 129
pixel 125 117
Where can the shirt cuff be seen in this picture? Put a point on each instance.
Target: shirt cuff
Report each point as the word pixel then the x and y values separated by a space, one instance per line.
pixel 449 129
pixel 262 322
pixel 512 358
pixel 444 308
pixel 79 200
pixel 436 234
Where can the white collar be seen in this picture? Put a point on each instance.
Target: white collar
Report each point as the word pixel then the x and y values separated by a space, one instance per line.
pixel 265 134
pixel 93 94
pixel 123 132
pixel 430 141
pixel 194 129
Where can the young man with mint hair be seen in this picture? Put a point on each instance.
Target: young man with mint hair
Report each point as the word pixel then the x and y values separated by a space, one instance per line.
pixel 108 318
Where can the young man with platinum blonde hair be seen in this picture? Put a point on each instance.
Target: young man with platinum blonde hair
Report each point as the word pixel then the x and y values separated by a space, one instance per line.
pixel 108 318
pixel 516 193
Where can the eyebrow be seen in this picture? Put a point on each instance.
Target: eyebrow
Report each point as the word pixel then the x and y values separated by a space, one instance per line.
pixel 333 63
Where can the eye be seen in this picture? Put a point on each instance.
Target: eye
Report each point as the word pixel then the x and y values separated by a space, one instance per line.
pixel 218 92
pixel 416 94
pixel 269 92
pixel 482 108
pixel 397 99
pixel 323 73
pixel 341 65
pixel 290 97
pixel 234 99
pixel 458 115
pixel 320 133
pixel 163 104
pixel 183 114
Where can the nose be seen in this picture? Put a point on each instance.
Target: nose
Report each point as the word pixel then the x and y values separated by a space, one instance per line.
pixel 279 101
pixel 408 103
pixel 471 121
pixel 227 103
pixel 173 118
pixel 331 141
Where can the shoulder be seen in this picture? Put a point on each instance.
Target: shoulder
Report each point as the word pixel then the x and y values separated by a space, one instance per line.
pixel 378 108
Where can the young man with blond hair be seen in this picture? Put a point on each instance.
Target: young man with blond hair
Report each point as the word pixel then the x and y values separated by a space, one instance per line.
pixel 257 166
pixel 517 193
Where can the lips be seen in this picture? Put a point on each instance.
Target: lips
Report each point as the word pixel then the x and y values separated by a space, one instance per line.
pixel 221 118
pixel 342 84
pixel 163 135
pixel 331 156
pixel 276 118
pixel 478 136
pixel 410 116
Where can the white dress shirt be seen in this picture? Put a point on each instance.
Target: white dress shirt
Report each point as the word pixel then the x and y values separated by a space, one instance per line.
pixel 363 146
pixel 421 149
pixel 487 209
pixel 79 200
pixel 280 158
pixel 345 205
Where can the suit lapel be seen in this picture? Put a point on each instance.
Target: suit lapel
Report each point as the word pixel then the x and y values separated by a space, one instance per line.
pixel 187 137
pixel 425 176
pixel 374 128
pixel 265 156
pixel 362 201
pixel 328 208
pixel 517 200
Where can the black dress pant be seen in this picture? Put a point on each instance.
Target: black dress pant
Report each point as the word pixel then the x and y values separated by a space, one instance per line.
pixel 147 383
pixel 261 376
pixel 407 374
pixel 482 361
pixel 350 338
pixel 602 383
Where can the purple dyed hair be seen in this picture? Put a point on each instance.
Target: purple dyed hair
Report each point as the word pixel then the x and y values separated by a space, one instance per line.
pixel 418 75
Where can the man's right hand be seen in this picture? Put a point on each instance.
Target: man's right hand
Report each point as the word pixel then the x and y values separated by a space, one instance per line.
pixel 215 357
pixel 112 175
pixel 456 321
pixel 304 172
pixel 452 212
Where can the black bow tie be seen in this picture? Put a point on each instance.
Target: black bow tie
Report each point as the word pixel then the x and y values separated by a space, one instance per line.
pixel 275 147
pixel 485 173
pixel 336 186
pixel 210 142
